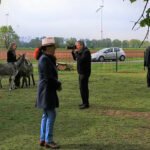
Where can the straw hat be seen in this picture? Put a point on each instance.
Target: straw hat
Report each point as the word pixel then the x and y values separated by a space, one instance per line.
pixel 48 41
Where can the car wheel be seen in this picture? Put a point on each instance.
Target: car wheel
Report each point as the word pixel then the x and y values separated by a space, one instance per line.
pixel 122 58
pixel 101 59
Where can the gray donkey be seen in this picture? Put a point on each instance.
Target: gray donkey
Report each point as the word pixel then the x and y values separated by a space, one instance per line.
pixel 11 70
pixel 26 72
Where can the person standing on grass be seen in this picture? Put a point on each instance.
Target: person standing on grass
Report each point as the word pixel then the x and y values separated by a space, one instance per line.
pixel 12 58
pixel 48 85
pixel 83 57
pixel 147 64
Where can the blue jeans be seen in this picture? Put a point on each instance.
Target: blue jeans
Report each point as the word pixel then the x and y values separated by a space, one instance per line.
pixel 47 123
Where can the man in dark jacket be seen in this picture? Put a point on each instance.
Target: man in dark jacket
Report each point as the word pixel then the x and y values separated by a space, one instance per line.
pixel 47 98
pixel 11 58
pixel 147 64
pixel 83 57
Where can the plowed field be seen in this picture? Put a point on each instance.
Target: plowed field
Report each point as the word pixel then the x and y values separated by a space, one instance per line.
pixel 67 54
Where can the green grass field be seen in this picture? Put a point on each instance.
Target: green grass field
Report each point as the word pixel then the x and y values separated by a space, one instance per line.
pixel 118 119
pixel 131 66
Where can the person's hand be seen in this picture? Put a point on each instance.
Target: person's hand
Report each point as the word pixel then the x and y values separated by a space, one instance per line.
pixel 76 50
pixel 59 88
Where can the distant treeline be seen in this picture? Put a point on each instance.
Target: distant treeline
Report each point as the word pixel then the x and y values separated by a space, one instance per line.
pixel 94 44
pixel 8 35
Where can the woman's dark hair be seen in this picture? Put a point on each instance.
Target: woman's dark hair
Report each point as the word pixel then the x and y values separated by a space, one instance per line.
pixel 39 54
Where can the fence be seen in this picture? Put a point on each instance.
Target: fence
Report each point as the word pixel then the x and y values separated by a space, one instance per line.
pixel 133 62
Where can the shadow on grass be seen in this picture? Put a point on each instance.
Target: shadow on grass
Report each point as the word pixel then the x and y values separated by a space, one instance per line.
pixel 103 147
pixel 122 108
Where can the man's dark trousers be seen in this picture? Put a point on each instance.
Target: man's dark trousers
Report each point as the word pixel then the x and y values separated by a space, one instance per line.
pixel 84 90
pixel 148 77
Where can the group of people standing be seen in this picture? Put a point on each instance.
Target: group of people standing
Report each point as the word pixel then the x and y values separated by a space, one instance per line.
pixel 49 84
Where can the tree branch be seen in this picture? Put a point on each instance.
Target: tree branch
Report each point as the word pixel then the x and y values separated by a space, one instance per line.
pixel 146 36
pixel 142 15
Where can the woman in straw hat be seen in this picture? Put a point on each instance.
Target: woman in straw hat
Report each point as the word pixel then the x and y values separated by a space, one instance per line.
pixel 48 85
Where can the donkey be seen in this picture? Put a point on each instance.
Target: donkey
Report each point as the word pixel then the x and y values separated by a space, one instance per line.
pixel 26 72
pixel 11 70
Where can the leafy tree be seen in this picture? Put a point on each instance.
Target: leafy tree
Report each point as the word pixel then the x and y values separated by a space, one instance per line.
pixel 89 44
pixel 7 35
pixel 145 44
pixel 35 42
pixel 94 43
pixel 71 41
pixel 107 42
pixel 125 44
pixel 59 42
pixel 134 43
pixel 116 43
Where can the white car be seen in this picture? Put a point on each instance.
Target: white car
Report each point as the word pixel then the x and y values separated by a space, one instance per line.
pixel 111 53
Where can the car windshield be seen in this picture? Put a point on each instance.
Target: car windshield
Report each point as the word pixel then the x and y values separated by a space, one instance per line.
pixel 102 50
pixel 116 49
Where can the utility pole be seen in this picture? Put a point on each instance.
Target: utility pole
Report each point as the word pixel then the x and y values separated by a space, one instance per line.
pixel 101 9
pixel 7 15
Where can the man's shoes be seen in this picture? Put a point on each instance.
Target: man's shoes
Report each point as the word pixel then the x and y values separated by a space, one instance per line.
pixel 52 145
pixel 16 87
pixel 42 143
pixel 81 105
pixel 84 107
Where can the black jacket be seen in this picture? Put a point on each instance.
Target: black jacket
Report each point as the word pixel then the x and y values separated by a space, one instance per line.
pixel 83 59
pixel 48 83
pixel 11 56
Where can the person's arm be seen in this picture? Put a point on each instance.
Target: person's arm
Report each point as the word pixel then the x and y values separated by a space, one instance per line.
pixel 8 56
pixel 47 71
pixel 86 57
pixel 144 60
pixel 74 54
pixel 148 59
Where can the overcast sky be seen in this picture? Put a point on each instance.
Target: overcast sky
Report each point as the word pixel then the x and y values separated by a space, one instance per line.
pixel 72 18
